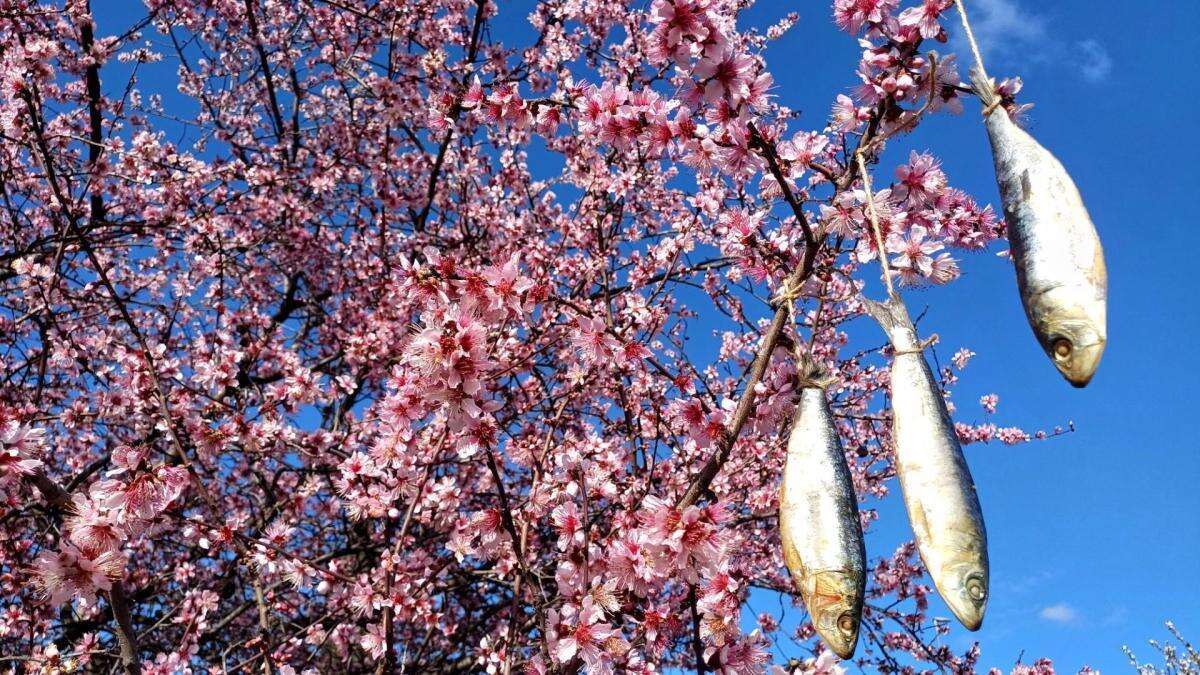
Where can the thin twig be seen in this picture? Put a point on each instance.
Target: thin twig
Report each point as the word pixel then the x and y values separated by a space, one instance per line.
pixel 874 218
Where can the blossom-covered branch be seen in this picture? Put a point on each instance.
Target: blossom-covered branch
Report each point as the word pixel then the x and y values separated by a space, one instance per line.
pixel 444 337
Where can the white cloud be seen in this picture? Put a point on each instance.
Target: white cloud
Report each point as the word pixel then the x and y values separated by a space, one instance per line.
pixel 1013 37
pixel 1094 62
pixel 1060 613
pixel 1027 583
pixel 1004 26
pixel 1117 616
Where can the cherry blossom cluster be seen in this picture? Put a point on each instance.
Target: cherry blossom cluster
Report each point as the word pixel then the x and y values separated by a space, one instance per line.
pixel 377 337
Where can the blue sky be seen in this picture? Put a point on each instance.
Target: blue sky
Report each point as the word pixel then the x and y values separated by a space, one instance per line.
pixel 1093 536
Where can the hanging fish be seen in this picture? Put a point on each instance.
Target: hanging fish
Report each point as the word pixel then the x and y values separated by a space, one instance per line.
pixel 938 491
pixel 818 520
pixel 1059 260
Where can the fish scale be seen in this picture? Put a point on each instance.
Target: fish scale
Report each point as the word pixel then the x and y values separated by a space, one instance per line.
pixel 1057 254
pixel 939 492
pixel 819 524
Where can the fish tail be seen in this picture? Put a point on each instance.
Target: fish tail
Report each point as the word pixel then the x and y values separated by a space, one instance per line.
pixel 985 89
pixel 889 315
pixel 810 374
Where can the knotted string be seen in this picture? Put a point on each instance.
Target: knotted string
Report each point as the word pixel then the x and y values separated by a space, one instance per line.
pixel 874 218
pixel 921 346
pixel 809 374
pixel 979 77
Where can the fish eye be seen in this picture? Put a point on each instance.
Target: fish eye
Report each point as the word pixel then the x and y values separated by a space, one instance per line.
pixel 845 622
pixel 1063 348
pixel 975 588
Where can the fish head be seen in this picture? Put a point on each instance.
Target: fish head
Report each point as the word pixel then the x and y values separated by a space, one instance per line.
pixel 1069 321
pixel 834 600
pixel 1075 345
pixel 967 591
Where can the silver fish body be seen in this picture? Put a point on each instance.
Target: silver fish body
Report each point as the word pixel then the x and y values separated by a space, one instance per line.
pixel 819 525
pixel 938 490
pixel 1059 260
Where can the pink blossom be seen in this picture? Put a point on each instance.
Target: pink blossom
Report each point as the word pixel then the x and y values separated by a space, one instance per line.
pixel 567 519
pixel 583 631
pixel 921 180
pixel 691 536
pixel 592 339
pixel 94 529
pixel 682 25
pixel 989 402
pixel 726 75
pixel 846 116
pixel 946 96
pixel 373 641
pixel 925 17
pixel 825 664
pixel 145 495
pixel 944 269
pixel 18 445
pixel 70 573
pixel 851 15
pixel 914 251
pixel 504 105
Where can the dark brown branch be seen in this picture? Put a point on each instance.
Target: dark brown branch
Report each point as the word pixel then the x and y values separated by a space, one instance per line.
pixel 767 149
pixel 52 492
pixel 91 79
pixel 126 637
pixel 745 407
pixel 60 500
pixel 455 111
pixel 697 643
pixel 265 64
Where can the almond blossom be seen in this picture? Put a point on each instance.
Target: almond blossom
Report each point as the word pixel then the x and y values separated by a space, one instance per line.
pixel 18 446
pixel 582 631
pixel 914 252
pixel 70 573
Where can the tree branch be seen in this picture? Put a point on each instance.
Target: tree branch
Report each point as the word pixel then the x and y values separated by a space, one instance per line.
pixel 770 340
pixel 60 500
